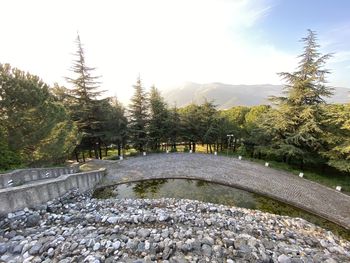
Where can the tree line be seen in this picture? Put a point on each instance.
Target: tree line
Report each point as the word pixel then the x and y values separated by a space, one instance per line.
pixel 42 124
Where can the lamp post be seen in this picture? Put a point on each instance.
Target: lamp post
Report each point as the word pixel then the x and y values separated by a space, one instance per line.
pixel 229 136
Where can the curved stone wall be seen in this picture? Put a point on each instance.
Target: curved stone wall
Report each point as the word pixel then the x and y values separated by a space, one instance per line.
pixel 38 192
pixel 23 176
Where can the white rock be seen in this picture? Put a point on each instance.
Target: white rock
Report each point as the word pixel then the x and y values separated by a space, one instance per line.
pixel 284 259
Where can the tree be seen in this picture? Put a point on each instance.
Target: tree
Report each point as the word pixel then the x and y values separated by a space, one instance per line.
pixel 338 136
pixel 114 124
pixel 138 119
pixel 158 126
pixel 297 121
pixel 257 140
pixel 236 116
pixel 85 101
pixel 191 125
pixel 30 116
pixel 174 126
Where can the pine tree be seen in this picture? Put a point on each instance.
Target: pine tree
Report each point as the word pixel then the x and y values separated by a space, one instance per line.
pixel 297 121
pixel 138 110
pixel 158 119
pixel 85 104
pixel 31 119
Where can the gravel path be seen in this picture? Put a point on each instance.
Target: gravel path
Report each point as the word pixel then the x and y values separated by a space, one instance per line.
pixel 283 186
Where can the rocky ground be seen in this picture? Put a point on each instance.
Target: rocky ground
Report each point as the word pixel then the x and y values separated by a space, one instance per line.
pixel 77 228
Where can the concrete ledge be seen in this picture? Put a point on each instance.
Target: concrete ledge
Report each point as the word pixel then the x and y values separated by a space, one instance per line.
pixel 35 193
pixel 22 176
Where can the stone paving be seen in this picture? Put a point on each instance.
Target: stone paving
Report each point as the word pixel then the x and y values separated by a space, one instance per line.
pixel 283 186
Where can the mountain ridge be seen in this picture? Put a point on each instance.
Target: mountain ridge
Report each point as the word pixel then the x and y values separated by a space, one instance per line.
pixel 227 95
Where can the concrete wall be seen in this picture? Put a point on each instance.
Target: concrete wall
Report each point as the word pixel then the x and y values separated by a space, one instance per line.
pixel 23 176
pixel 38 192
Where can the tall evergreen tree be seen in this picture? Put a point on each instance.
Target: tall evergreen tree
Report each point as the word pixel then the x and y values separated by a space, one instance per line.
pixel 85 101
pixel 138 119
pixel 158 119
pixel 297 123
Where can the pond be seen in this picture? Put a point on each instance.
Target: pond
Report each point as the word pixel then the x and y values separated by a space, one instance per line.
pixel 212 193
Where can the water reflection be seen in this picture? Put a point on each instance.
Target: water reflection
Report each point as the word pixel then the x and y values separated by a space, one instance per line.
pixel 148 188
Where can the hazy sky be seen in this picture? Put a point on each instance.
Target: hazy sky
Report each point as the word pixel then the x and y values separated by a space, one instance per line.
pixel 170 42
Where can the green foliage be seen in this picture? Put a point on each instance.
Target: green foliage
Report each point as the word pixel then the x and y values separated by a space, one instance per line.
pixel 8 158
pixel 30 116
pixel 138 122
pixel 297 131
pixel 159 119
pixel 337 136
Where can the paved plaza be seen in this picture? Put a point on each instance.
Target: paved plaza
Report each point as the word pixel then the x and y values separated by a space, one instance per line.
pixel 283 186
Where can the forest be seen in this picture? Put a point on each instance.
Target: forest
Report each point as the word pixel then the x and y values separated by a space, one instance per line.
pixel 42 125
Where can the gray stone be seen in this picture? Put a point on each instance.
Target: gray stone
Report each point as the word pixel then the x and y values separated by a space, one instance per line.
pixel 116 245
pixel 33 220
pixel 112 219
pixel 3 249
pixel 284 259
pixel 18 249
pixel 143 233
pixel 206 249
pixel 163 217
pixel 34 250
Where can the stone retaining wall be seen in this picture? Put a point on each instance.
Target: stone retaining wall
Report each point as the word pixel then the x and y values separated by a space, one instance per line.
pixel 38 192
pixel 22 176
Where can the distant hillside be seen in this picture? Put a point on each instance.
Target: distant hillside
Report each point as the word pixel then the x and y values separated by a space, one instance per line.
pixel 226 96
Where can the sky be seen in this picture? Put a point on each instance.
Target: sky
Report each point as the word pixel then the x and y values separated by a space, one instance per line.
pixel 168 42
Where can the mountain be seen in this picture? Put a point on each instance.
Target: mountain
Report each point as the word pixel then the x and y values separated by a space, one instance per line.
pixel 226 96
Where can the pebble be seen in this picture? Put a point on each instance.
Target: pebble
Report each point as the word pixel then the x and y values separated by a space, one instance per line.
pixel 78 228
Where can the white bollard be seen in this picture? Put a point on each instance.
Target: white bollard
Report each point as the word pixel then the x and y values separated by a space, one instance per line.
pixel 144 153
pixel 167 151
pixel 338 188
pixel 239 157
pixel 121 157
pixel 301 175
pixel 215 153
pixel 190 151
pixel 267 164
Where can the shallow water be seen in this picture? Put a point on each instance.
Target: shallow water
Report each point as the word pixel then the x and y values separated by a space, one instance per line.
pixel 212 193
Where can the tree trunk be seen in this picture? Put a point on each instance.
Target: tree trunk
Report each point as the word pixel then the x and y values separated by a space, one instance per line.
pixel 90 154
pixel 119 149
pixel 95 151
pixel 76 155
pixel 106 150
pixel 211 150
pixel 194 147
pixel 100 151
pixel 207 148
pixel 234 145
pixel 83 157
pixel 221 147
